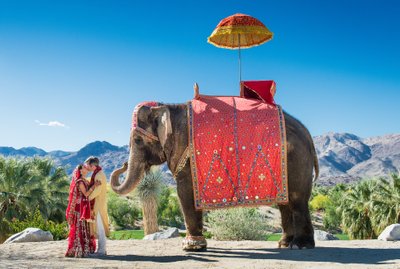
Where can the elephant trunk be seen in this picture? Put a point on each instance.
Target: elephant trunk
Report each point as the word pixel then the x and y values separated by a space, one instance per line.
pixel 133 177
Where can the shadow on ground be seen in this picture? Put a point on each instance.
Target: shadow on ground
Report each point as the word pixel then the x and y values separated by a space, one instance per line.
pixel 156 259
pixel 320 254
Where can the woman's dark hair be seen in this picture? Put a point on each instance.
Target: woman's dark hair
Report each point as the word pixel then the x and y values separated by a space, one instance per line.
pixel 92 160
pixel 77 172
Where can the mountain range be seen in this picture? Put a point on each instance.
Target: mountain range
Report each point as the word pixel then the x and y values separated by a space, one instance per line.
pixel 343 157
pixel 111 156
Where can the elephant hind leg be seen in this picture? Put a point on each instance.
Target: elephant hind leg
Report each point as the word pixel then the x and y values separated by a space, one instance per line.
pixel 304 232
pixel 297 230
pixel 287 226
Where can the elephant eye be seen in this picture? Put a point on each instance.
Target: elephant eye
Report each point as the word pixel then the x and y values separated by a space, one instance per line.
pixel 138 141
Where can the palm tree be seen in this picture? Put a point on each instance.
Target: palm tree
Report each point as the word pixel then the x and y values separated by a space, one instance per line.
pixel 20 189
pixel 386 203
pixel 148 191
pixel 356 210
pixel 333 215
pixel 27 184
pixel 55 186
pixel 19 192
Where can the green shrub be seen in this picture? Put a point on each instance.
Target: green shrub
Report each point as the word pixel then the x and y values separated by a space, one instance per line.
pixel 206 234
pixel 169 211
pixel 319 202
pixel 35 220
pixel 5 230
pixel 237 224
pixel 333 214
pixel 123 211
pixel 332 217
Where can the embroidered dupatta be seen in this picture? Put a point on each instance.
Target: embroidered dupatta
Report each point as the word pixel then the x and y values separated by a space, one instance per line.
pixel 74 199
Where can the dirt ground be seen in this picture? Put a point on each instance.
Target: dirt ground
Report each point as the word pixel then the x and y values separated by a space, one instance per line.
pixel 220 254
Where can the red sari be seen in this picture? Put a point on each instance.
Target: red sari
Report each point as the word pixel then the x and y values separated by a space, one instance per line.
pixel 80 240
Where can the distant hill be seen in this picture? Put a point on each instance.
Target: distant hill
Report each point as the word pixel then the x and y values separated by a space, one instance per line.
pixel 26 152
pixel 347 158
pixel 343 157
pixel 111 156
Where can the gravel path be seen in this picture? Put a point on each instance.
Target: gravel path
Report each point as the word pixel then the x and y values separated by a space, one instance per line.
pixel 221 254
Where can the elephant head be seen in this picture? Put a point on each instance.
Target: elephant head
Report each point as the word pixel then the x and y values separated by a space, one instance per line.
pixel 152 142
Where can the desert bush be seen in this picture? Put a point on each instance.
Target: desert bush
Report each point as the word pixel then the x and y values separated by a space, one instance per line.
pixel 169 211
pixel 36 220
pixel 5 230
pixel 123 211
pixel 319 202
pixel 237 224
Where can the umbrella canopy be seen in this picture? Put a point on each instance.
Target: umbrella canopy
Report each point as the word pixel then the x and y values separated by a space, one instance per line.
pixel 239 31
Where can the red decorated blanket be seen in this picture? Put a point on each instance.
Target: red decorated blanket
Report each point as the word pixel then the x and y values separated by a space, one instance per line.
pixel 237 152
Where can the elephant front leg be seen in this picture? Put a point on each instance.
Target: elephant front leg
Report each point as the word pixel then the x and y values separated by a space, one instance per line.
pixel 194 240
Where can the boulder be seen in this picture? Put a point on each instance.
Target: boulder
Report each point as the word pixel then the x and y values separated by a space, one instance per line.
pixel 169 233
pixel 323 236
pixel 30 235
pixel 391 233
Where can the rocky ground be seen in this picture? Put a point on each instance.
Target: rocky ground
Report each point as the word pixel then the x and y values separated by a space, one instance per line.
pixel 221 254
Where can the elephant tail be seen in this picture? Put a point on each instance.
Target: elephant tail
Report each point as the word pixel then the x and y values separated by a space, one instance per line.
pixel 316 165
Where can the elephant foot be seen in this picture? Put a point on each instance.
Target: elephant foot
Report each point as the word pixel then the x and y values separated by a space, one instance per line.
pixel 304 241
pixel 194 243
pixel 285 241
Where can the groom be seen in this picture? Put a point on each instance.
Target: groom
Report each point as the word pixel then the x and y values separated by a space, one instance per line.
pixel 99 195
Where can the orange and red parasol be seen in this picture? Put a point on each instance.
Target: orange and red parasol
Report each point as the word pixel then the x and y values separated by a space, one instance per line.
pixel 239 31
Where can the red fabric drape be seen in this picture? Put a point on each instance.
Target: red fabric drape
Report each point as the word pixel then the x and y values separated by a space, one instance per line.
pixel 259 89
pixel 238 152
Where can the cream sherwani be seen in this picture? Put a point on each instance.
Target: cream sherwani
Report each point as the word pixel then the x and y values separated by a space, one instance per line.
pixel 100 205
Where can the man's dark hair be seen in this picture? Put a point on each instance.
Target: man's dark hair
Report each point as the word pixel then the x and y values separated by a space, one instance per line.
pixel 92 160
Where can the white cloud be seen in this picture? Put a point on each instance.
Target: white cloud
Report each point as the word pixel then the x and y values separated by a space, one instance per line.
pixel 52 124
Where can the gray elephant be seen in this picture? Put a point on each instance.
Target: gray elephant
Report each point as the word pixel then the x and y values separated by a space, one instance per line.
pixel 162 136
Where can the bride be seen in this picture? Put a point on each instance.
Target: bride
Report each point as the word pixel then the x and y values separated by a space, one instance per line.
pixel 80 240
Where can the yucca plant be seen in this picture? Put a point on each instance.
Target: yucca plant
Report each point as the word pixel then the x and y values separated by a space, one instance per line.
pixel 148 192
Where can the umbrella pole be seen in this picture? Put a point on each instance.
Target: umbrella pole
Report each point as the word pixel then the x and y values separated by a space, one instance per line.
pixel 240 65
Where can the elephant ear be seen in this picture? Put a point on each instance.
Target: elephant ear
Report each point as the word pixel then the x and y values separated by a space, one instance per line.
pixel 164 126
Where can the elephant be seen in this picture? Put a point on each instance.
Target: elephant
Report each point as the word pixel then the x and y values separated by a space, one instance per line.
pixel 167 139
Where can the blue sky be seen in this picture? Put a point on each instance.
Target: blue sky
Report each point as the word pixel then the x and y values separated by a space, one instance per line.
pixel 71 72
